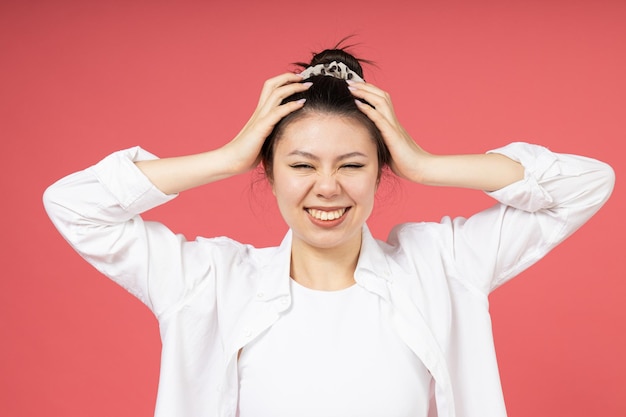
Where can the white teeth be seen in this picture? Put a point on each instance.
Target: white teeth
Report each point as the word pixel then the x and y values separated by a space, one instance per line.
pixel 326 215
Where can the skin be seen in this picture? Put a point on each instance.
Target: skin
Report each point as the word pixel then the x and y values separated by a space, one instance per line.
pixel 325 163
pixel 326 259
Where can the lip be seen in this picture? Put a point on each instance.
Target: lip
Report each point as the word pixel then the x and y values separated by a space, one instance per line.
pixel 327 224
pixel 325 208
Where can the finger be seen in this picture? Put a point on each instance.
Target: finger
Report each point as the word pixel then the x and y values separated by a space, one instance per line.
pixel 277 95
pixel 379 119
pixel 382 104
pixel 280 80
pixel 284 109
pixel 363 90
pixel 288 90
pixel 262 123
pixel 367 88
pixel 274 113
pixel 275 99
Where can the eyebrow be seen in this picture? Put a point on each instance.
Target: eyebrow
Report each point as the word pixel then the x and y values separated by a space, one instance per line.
pixel 316 158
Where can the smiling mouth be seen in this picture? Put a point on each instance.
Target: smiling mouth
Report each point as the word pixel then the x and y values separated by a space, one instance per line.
pixel 326 215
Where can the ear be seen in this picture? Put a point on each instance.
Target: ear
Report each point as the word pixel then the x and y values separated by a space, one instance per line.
pixel 384 173
pixel 380 176
pixel 269 178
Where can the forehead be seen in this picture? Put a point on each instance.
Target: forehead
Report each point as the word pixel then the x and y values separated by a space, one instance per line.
pixel 322 134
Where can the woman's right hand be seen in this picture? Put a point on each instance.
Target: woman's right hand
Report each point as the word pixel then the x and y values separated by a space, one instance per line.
pixel 173 175
pixel 244 149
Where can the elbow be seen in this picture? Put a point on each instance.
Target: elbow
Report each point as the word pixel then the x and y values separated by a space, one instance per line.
pixel 606 181
pixel 57 200
pixel 50 199
pixel 598 189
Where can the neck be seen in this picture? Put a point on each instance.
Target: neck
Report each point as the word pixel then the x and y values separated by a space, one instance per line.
pixel 326 269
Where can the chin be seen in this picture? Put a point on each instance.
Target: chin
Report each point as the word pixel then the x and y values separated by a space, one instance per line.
pixel 330 240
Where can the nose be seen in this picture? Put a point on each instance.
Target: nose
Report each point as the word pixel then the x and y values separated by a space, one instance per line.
pixel 327 186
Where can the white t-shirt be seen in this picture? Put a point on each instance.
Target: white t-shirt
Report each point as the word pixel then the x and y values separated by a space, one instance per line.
pixel 332 354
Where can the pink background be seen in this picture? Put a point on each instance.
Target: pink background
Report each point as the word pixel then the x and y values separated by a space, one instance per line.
pixel 79 80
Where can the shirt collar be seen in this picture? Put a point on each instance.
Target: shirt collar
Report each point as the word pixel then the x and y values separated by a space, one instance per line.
pixel 372 271
pixel 274 272
pixel 372 259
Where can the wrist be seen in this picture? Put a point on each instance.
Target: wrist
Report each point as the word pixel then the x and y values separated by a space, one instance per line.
pixel 416 166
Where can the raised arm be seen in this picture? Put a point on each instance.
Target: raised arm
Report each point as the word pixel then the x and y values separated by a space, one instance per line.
pixel 173 175
pixel 544 197
pixel 488 172
pixel 97 210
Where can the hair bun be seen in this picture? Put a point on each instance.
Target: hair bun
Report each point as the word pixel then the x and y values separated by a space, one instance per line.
pixel 334 69
pixel 328 56
pixel 337 54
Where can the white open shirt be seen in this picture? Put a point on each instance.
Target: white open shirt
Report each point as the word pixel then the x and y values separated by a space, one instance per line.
pixel 214 296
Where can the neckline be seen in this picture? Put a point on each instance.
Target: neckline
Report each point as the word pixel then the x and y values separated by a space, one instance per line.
pixel 296 286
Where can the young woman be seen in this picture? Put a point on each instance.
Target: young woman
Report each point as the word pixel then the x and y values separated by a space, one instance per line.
pixel 332 322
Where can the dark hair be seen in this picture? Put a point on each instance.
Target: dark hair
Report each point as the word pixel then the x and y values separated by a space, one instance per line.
pixel 328 95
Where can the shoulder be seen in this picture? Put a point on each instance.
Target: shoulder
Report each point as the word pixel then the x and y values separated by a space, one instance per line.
pixel 227 250
pixel 423 233
pixel 411 244
pixel 423 245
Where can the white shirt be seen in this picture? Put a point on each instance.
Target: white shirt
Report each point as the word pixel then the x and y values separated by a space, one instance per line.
pixel 333 354
pixel 214 296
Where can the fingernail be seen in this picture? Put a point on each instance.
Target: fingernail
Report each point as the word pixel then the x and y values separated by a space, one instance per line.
pixel 307 84
pixel 349 82
pixel 351 88
pixel 301 101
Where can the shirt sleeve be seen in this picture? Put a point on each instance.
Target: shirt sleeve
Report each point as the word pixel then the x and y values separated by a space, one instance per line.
pixel 558 194
pixel 97 212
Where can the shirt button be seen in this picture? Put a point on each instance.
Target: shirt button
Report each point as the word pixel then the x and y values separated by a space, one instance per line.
pixel 247 332
pixel 260 294
pixel 285 301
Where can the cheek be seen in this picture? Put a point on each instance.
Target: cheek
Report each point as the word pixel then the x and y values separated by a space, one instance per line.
pixel 362 190
pixel 288 189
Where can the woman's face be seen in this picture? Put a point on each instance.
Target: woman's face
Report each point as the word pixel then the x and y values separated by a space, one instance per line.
pixel 325 175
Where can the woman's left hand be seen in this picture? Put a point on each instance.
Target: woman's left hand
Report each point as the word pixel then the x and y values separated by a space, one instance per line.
pixel 487 172
pixel 407 157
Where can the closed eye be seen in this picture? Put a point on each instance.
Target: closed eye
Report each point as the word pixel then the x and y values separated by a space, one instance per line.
pixel 301 166
pixel 353 166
